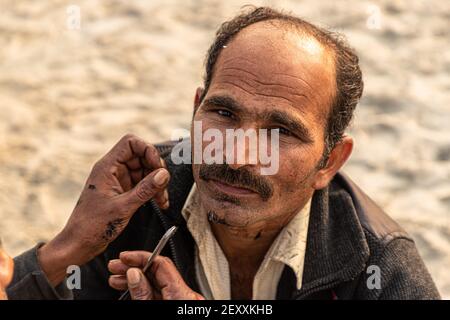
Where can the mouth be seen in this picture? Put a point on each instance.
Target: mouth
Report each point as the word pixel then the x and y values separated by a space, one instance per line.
pixel 234 190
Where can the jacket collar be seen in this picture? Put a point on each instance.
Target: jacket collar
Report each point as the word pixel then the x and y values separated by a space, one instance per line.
pixel 336 249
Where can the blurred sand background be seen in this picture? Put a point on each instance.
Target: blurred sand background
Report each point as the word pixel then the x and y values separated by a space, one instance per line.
pixel 67 95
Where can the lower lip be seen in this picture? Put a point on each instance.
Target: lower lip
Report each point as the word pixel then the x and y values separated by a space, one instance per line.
pixel 226 188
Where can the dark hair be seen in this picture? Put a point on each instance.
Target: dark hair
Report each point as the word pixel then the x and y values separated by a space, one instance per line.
pixel 349 81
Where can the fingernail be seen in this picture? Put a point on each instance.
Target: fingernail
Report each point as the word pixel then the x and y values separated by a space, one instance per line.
pixel 111 262
pixel 161 177
pixel 133 277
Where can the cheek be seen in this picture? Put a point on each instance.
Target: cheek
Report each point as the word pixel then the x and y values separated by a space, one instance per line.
pixel 296 170
pixel 208 136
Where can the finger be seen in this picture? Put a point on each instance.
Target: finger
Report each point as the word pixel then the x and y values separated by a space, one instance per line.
pixel 165 272
pixel 118 282
pixel 146 189
pixel 136 176
pixel 131 146
pixel 151 158
pixel 147 154
pixel 139 286
pixel 169 282
pixel 123 176
pixel 135 258
pixel 134 164
pixel 139 167
pixel 117 267
pixel 162 199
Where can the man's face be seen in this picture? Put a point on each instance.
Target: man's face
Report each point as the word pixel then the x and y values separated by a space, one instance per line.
pixel 266 78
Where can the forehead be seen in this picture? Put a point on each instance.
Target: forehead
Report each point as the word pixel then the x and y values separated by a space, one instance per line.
pixel 265 65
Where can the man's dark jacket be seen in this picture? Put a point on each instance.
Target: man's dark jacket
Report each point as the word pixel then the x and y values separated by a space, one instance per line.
pixel 349 240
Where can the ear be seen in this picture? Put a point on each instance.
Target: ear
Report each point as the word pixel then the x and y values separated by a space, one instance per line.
pixel 338 156
pixel 198 96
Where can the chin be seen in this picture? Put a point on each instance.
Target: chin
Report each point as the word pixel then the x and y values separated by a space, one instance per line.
pixel 230 214
pixel 231 209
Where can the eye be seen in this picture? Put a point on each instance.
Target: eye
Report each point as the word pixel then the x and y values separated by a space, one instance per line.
pixel 224 113
pixel 284 131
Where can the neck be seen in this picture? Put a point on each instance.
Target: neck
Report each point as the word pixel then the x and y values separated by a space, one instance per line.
pixel 246 245
pixel 245 250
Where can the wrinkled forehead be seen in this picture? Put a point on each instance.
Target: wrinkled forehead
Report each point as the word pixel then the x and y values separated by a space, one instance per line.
pixel 264 60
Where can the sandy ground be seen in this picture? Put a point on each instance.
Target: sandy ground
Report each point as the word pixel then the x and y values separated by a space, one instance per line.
pixel 67 95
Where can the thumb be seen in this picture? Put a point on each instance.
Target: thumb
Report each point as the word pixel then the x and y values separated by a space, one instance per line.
pixel 146 189
pixel 138 285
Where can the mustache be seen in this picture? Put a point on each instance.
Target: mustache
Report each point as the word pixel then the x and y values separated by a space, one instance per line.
pixel 240 177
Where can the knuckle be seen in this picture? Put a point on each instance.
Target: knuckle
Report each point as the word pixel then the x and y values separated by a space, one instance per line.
pixel 154 152
pixel 141 293
pixel 166 264
pixel 128 136
pixel 96 166
pixel 166 261
pixel 143 257
pixel 168 295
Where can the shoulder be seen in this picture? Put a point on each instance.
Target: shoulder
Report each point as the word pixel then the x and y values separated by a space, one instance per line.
pixel 392 250
pixel 377 224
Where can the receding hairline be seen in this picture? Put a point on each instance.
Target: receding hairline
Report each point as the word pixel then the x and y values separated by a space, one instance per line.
pixel 301 28
pixel 329 54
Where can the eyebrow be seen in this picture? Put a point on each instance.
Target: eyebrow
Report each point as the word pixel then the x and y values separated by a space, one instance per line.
pixel 295 126
pixel 225 101
pixel 276 116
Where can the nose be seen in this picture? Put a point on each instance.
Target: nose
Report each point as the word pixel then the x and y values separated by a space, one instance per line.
pixel 236 166
pixel 242 150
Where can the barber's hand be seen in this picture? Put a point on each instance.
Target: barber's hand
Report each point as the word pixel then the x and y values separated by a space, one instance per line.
pixel 6 272
pixel 128 176
pixel 166 282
